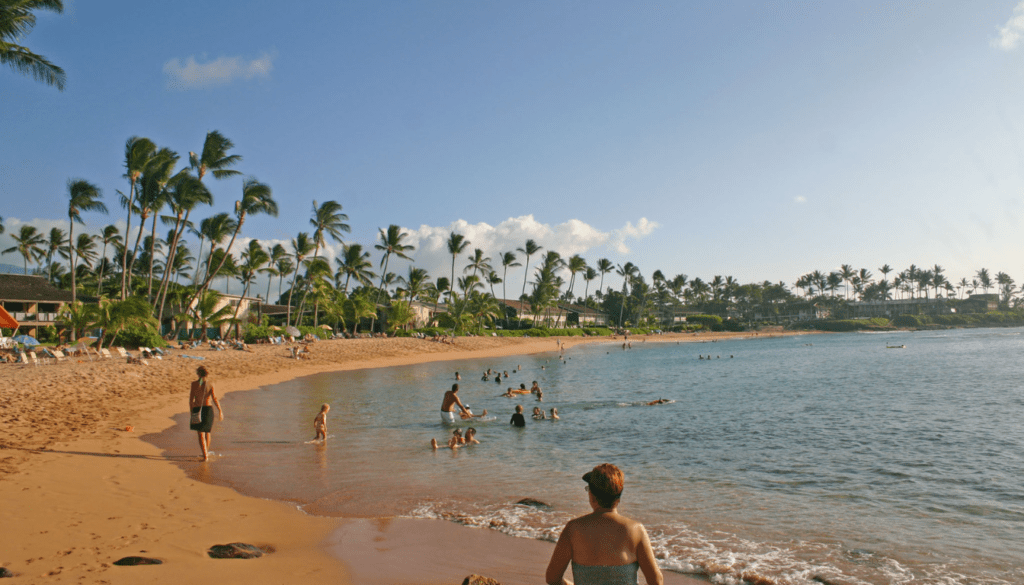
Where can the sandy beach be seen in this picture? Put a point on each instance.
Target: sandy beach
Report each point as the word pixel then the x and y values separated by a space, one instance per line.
pixel 80 491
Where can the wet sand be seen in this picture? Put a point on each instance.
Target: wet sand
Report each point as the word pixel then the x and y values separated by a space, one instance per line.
pixel 80 491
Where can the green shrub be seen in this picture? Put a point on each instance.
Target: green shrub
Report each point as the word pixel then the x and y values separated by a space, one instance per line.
pixel 138 336
pixel 909 321
pixel 705 321
pixel 254 333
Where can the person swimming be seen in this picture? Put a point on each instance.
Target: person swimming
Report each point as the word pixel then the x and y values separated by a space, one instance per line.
pixel 538 414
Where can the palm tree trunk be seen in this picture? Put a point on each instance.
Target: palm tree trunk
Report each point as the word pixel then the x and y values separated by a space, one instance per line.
pixel 99 283
pixel 135 249
pixel 291 291
pixel 127 232
pixel 152 254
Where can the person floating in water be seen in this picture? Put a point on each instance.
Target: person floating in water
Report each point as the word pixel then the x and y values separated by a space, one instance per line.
pixel 320 423
pixel 658 401
pixel 453 443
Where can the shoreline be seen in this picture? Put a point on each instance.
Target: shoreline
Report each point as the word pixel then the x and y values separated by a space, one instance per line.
pixel 82 492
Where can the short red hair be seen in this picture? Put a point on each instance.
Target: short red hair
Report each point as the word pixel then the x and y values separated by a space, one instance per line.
pixel 605 482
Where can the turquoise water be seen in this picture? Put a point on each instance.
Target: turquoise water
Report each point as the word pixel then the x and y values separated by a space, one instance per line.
pixel 818 456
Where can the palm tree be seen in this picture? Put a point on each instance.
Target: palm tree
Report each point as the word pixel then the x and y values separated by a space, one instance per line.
pixel 390 243
pixel 29 243
pixel 256 198
pixel 530 249
pixel 456 244
pixel 276 255
pixel 1 225
pixel 16 21
pixel 984 279
pixel 215 158
pixel 253 258
pixel 216 229
pixel 109 235
pixel 57 244
pixel 590 274
pixel 508 260
pixel 137 154
pixel 82 196
pixel 478 262
pixel 416 282
pixel 846 272
pixel 186 193
pixel 604 266
pixel 151 196
pixel 302 245
pixel 353 263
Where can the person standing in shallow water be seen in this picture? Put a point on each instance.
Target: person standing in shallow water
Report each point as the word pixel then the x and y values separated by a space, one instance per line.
pixel 200 398
pixel 603 546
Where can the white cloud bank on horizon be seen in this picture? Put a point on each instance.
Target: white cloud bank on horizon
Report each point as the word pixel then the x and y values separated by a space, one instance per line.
pixel 193 75
pixel 1012 32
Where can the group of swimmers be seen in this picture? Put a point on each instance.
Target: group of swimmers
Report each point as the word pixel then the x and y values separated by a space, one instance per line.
pixel 458 440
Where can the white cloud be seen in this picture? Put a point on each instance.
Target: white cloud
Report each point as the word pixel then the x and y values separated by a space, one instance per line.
pixel 1011 33
pixel 191 74
pixel 799 199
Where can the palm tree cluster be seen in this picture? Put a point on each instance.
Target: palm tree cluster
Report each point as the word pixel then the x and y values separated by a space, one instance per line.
pixel 158 267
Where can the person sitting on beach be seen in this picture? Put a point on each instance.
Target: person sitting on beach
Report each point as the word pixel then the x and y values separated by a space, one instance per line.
pixel 538 414
pixel 603 546
pixel 320 423
pixel 517 418
pixel 554 414
pixel 304 353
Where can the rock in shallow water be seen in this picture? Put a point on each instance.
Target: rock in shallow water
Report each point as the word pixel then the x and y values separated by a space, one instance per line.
pixel 532 502
pixel 236 550
pixel 134 561
pixel 479 580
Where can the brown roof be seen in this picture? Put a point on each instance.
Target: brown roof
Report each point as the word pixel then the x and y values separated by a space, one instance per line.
pixel 16 287
pixel 520 307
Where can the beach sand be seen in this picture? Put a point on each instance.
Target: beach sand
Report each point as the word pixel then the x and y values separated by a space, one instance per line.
pixel 80 492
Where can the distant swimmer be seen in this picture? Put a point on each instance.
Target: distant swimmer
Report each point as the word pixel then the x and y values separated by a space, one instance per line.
pixel 457 376
pixel 497 380
pixel 517 418
pixel 658 401
pixel 535 388
pixel 538 414
pixel 554 414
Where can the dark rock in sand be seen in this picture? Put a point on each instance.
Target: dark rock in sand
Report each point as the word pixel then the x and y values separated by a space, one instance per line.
pixel 5 573
pixel 133 561
pixel 236 550
pixel 532 502
pixel 479 580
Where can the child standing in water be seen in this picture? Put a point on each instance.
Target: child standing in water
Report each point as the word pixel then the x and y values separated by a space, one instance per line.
pixel 320 423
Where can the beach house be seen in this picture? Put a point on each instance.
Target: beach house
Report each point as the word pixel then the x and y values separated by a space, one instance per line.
pixel 33 301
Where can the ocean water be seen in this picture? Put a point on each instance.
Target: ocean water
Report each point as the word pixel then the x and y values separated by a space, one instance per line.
pixel 808 459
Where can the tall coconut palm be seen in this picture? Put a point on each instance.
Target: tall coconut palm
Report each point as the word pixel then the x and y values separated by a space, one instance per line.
pixel 215 158
pixel 150 196
pixel 137 154
pixel 56 245
pixel 16 21
pixel 276 254
pixel 456 244
pixel 589 275
pixel 29 243
pixel 302 245
pixel 327 220
pixel 529 249
pixel 109 235
pixel 390 244
pixel 353 263
pixel 82 196
pixel 479 263
pixel 416 282
pixel 186 193
pixel 604 266
pixel 253 258
pixel 216 228
pixel 508 260
pixel 256 198
pixel 284 267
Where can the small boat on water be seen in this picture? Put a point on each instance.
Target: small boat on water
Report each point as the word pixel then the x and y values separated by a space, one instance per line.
pixel 895 347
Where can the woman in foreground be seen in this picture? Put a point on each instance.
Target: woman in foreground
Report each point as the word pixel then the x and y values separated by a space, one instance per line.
pixel 604 547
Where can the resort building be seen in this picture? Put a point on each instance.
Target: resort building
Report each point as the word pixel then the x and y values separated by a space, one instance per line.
pixel 33 301
pixel 894 308
pixel 583 316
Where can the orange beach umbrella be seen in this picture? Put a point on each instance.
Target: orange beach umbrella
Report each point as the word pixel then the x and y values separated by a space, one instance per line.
pixel 6 321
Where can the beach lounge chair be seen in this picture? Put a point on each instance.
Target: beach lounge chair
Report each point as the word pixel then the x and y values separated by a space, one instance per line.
pixel 32 358
pixel 24 357
pixel 122 353
pixel 59 355
pixel 104 352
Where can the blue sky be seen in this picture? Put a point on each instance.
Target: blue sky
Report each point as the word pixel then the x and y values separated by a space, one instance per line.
pixel 761 140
